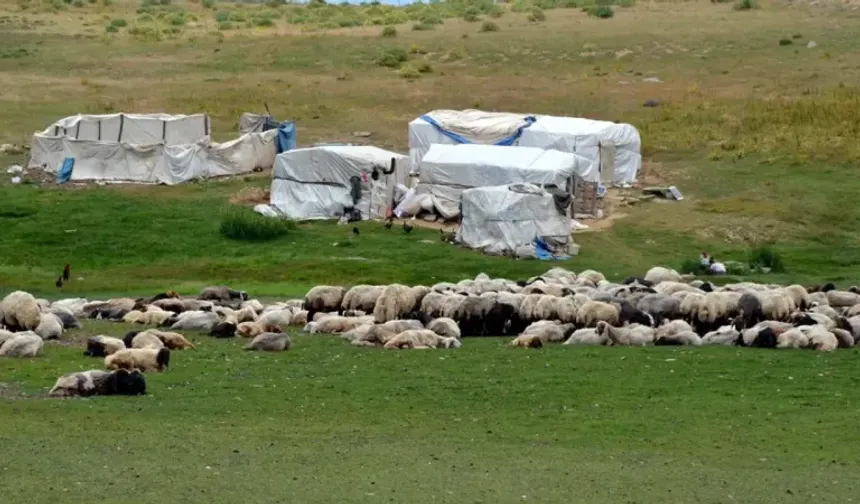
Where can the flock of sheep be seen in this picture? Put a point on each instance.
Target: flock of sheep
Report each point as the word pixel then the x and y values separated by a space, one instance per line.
pixel 662 308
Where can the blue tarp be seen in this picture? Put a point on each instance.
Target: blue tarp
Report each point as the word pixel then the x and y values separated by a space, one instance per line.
pixel 460 139
pixel 286 136
pixel 64 174
pixel 543 253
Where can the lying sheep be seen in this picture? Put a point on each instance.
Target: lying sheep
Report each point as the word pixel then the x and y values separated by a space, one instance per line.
pixel 171 340
pixel 421 338
pixel 633 335
pixel 102 346
pixel 252 329
pixel 336 324
pixel 222 293
pixel 96 382
pixel 155 317
pixel 660 274
pixel 23 344
pixel 587 336
pixel 195 321
pixel 270 342
pixel 323 298
pixel 725 335
pixel 145 340
pixel 144 359
pixel 444 327
pixel 50 327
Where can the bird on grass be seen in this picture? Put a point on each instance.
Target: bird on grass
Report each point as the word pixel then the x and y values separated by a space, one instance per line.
pixel 389 223
pixel 67 272
pixel 407 228
pixel 59 282
pixel 355 230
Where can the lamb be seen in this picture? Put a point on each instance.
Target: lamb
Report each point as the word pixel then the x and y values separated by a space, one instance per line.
pixel 23 344
pixel 19 311
pixel 252 329
pixel 50 327
pixel 96 382
pixel 156 317
pixel 593 312
pixel 422 338
pixel 659 274
pixel 171 340
pixel 323 298
pixel 633 335
pixel 270 342
pixel 361 297
pixel 222 293
pixel 102 346
pixel 820 338
pixel 725 335
pixel 144 359
pixel 444 327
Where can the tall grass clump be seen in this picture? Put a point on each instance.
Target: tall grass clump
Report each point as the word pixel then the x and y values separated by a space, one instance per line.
pixel 392 57
pixel 600 11
pixel 536 15
pixel 246 225
pixel 741 5
pixel 208 4
pixel 489 26
pixel 765 258
pixel 119 22
pixel 389 31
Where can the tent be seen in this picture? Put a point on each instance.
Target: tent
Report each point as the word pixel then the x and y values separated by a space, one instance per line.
pixel 324 182
pixel 447 170
pixel 503 219
pixel 255 123
pixel 586 137
pixel 154 148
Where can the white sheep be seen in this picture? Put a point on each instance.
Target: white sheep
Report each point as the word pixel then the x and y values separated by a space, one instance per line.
pixel 195 321
pixel 102 346
pixel 20 312
pixel 659 274
pixel 336 324
pixel 270 342
pixel 323 298
pixel 587 336
pixel 592 312
pixel 146 339
pixel 361 297
pixel 444 327
pixel 144 359
pixel 24 344
pixel 422 338
pixel 397 301
pixel 50 327
pixel 725 335
pixel 632 335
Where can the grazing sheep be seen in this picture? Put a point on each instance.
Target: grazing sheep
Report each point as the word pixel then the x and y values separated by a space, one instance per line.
pixel 592 276
pixel 629 314
pixel 444 327
pixel 95 382
pixel 660 306
pixel 659 274
pixel 19 311
pixel 252 329
pixel 144 359
pixel 776 305
pixel 222 293
pixel 146 339
pixel 716 310
pixel 102 346
pixel 633 335
pixel 270 342
pixel 50 327
pixel 749 307
pixel 398 301
pixel 361 297
pixel 300 318
pixel 593 312
pixel 323 298
pixel 842 299
pixel 472 315
pixel 24 344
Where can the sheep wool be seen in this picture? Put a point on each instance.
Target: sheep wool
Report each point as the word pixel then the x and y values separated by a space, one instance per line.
pixel 659 274
pixel 96 382
pixel 50 327
pixel 270 342
pixel 361 297
pixel 146 340
pixel 395 302
pixel 323 298
pixel 593 312
pixel 25 344
pixel 102 346
pixel 144 359
pixel 444 327
pixel 20 311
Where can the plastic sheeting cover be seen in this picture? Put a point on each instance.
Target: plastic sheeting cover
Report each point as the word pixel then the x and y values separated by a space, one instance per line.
pixel 502 219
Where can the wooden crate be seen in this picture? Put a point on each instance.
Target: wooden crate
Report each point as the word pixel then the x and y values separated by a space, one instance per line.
pixel 586 204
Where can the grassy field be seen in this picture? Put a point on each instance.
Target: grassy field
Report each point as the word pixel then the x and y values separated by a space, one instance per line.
pixel 758 130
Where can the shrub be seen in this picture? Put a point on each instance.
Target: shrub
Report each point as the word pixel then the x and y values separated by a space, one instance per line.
pixel 107 3
pixel 416 49
pixel 495 11
pixel 745 5
pixel 409 72
pixel 520 6
pixel 536 15
pixel 785 42
pixel 78 3
pixel 489 26
pixel 471 15
pixel 119 22
pixel 111 29
pixel 263 22
pixel 177 20
pixel 222 16
pixel 247 225
pixel 691 267
pixel 144 18
pixel 422 27
pixel 601 11
pixel 225 25
pixel 208 4
pixel 392 58
pixel 389 31
pixel 765 258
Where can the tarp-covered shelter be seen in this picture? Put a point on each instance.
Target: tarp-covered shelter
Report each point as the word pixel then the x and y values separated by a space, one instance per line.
pixel 256 123
pixel 589 138
pixel 324 182
pixel 503 219
pixel 151 148
pixel 447 170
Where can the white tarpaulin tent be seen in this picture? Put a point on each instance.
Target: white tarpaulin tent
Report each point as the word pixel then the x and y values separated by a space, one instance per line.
pixel 502 219
pixel 588 138
pixel 447 170
pixel 320 182
pixel 154 148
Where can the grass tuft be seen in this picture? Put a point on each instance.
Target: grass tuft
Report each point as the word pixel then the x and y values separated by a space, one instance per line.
pixel 389 32
pixel 489 26
pixel 242 224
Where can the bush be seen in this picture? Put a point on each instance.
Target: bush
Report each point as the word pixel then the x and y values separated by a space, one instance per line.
pixel 263 22
pixel 392 58
pixel 119 22
pixel 785 42
pixel 601 11
pixel 247 225
pixel 471 15
pixel 765 258
pixel 422 27
pixel 111 29
pixel 107 3
pixel 416 49
pixel 536 15
pixel 144 18
pixel 208 4
pixel 489 26
pixel 222 16
pixel 691 267
pixel 495 11
pixel 520 6
pixel 225 25
pixel 389 31
pixel 177 20
pixel 78 3
pixel 745 5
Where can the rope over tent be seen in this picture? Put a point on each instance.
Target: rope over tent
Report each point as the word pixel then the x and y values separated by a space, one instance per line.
pixel 507 141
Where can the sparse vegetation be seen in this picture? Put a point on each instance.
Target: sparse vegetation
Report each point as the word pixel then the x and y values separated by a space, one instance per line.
pixel 119 22
pixel 245 225
pixel 601 11
pixel 785 41
pixel 745 5
pixel 536 15
pixel 392 57
pixel 489 26
pixel 389 31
